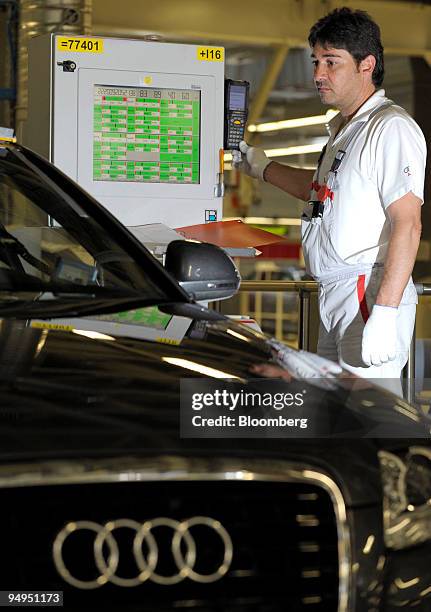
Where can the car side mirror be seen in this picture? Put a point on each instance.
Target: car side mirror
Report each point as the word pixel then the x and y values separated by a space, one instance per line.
pixel 204 270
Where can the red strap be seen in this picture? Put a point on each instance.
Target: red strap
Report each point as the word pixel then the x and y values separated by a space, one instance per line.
pixel 360 287
pixel 322 191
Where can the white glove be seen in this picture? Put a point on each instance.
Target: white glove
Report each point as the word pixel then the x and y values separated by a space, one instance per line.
pixel 253 161
pixel 379 339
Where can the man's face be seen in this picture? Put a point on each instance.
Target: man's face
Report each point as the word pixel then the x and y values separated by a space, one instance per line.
pixel 337 77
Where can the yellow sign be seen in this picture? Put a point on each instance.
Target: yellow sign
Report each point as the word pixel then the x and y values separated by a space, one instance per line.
pixel 80 45
pixel 57 326
pixel 168 341
pixel 210 54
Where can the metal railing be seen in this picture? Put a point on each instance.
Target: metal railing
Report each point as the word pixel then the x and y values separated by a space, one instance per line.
pixel 305 289
pixel 410 367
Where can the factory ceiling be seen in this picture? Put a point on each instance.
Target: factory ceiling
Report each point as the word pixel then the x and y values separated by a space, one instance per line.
pixel 267 43
pixel 406 26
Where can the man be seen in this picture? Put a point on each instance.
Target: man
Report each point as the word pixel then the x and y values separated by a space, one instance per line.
pixel 361 228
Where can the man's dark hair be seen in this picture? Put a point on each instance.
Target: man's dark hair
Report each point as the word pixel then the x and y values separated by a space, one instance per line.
pixel 353 31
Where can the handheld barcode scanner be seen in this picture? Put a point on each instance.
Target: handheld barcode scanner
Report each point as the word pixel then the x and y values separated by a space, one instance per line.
pixel 236 112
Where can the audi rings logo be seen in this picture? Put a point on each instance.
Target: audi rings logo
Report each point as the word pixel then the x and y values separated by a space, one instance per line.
pixel 183 549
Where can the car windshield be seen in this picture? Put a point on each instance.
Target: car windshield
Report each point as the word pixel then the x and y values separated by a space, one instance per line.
pixel 57 243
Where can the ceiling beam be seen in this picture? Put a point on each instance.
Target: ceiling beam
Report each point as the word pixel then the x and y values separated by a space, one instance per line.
pixel 268 83
pixel 406 26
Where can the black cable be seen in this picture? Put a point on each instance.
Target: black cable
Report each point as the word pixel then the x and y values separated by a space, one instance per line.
pixel 13 247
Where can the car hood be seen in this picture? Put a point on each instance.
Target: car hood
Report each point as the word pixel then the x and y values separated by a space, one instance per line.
pixel 68 396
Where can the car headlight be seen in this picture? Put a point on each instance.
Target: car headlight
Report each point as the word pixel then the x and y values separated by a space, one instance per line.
pixel 406 496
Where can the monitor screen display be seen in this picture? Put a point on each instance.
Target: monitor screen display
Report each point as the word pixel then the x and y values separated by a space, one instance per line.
pixel 237 97
pixel 147 135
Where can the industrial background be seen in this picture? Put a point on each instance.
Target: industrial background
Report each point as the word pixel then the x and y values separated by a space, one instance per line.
pixel 97 339
pixel 266 44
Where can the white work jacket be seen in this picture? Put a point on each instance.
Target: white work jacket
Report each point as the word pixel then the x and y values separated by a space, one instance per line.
pixel 384 160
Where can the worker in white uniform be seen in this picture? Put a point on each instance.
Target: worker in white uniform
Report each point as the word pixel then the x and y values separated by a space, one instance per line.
pixel 362 224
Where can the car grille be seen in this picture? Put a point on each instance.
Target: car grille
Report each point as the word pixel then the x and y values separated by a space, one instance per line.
pixel 284 541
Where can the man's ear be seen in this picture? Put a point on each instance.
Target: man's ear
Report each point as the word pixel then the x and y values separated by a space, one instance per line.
pixel 367 65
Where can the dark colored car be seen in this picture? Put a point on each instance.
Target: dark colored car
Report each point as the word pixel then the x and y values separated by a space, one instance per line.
pixel 103 499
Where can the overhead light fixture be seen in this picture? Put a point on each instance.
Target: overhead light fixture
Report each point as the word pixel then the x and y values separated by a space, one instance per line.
pixel 314 147
pixel 288 124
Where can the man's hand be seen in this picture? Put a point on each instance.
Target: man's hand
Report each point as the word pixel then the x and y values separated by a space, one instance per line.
pixel 254 161
pixel 379 339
